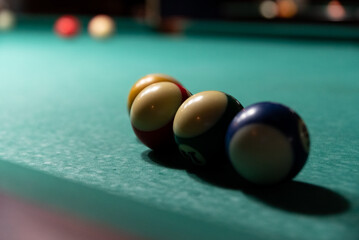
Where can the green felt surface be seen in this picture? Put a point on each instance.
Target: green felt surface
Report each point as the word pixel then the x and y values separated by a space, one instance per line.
pixel 66 140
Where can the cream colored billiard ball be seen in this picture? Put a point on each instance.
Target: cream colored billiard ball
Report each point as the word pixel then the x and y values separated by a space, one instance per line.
pixel 7 20
pixel 101 26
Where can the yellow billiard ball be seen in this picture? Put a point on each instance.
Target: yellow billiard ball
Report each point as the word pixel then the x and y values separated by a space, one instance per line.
pixel 101 26
pixel 146 81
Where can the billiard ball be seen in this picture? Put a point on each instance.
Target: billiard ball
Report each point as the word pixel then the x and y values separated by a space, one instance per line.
pixel 101 26
pixel 267 143
pixel 7 20
pixel 172 25
pixel 200 127
pixel 152 114
pixel 146 81
pixel 67 26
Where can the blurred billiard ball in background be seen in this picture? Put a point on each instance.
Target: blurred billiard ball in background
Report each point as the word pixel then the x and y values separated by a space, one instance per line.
pixel 101 26
pixel 67 26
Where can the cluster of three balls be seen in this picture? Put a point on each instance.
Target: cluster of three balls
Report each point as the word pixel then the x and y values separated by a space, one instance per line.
pixel 266 142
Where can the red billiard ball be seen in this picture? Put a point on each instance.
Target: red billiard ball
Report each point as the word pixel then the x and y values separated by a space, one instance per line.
pixel 200 126
pixel 267 143
pixel 67 26
pixel 152 113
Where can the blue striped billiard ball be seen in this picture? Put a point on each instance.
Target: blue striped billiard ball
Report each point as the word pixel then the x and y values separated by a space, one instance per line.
pixel 200 127
pixel 267 143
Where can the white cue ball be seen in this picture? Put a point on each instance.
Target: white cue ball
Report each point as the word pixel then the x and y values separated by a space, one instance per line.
pixel 101 26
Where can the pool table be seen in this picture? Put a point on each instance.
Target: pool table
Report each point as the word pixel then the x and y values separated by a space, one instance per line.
pixel 66 141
